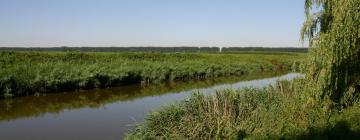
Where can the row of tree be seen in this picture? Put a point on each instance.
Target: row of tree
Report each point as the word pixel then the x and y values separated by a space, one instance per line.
pixel 267 49
pixel 156 49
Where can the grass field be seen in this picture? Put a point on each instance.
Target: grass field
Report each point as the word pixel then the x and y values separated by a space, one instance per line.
pixel 26 73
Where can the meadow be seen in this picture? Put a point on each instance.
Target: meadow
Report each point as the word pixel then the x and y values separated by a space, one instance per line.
pixel 31 72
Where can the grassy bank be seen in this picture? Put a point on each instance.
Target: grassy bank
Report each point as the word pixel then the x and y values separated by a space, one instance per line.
pixel 277 112
pixel 31 106
pixel 25 73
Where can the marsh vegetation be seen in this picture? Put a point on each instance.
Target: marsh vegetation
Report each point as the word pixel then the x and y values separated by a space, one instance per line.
pixel 275 112
pixel 26 73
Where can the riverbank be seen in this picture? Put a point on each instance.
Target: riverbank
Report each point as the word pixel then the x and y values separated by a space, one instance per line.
pixel 275 112
pixel 26 73
pixel 17 108
pixel 110 113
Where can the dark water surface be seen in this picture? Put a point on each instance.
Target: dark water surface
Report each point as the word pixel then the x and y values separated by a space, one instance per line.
pixel 104 114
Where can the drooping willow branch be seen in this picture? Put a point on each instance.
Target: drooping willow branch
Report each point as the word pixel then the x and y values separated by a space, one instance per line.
pixel 332 28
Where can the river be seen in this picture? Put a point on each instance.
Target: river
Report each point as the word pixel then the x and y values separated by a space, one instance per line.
pixel 105 114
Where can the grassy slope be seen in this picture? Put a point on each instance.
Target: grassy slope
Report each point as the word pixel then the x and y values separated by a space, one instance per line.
pixel 278 112
pixel 24 73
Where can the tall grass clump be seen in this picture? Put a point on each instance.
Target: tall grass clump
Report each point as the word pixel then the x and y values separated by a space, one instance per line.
pixel 275 112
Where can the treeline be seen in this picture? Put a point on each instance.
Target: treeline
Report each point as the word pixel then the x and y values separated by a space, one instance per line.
pixel 265 49
pixel 117 49
pixel 156 49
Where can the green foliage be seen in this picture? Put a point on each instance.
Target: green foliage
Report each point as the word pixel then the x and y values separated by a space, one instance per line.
pixel 334 63
pixel 276 112
pixel 24 73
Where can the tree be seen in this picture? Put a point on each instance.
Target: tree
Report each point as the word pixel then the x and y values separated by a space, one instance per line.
pixel 332 28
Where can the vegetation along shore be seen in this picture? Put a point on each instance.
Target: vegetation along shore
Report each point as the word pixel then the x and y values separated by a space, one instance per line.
pixel 26 73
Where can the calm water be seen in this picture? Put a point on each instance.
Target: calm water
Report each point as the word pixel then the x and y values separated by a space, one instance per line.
pixel 104 114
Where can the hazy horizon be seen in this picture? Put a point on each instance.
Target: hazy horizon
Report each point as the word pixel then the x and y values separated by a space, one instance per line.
pixel 153 46
pixel 158 23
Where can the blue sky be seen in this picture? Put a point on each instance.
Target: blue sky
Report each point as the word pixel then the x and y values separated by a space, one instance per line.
pixel 49 23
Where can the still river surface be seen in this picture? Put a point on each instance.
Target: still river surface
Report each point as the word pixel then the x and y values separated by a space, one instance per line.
pixel 105 114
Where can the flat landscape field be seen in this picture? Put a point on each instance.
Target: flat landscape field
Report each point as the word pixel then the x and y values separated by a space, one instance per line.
pixel 29 72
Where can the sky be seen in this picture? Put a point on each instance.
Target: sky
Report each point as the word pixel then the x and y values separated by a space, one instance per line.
pixel 96 23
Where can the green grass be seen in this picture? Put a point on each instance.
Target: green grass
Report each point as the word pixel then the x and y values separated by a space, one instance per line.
pixel 276 112
pixel 26 73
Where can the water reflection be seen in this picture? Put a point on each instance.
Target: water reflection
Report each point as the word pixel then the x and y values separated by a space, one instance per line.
pixel 103 113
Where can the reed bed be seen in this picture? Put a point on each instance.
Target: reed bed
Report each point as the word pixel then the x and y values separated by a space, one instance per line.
pixel 275 112
pixel 26 73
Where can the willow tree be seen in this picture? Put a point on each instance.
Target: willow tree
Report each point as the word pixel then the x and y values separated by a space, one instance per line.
pixel 332 28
